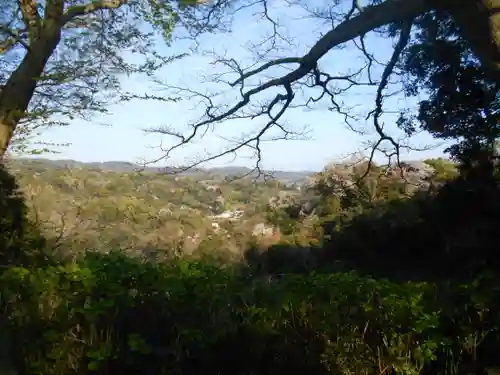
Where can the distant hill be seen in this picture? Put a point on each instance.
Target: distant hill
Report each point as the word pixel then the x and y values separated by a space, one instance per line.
pixel 126 167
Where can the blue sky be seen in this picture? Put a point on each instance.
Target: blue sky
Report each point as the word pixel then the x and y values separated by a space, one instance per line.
pixel 120 136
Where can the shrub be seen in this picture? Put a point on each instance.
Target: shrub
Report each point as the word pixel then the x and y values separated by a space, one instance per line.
pixel 21 243
pixel 111 314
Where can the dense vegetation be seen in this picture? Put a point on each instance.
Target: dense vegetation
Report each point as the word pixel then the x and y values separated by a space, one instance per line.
pixel 362 269
pixel 297 305
pixel 137 212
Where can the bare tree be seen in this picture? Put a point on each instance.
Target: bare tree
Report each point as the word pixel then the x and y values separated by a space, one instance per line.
pixel 351 24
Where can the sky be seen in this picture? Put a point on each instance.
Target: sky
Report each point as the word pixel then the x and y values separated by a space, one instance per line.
pixel 120 134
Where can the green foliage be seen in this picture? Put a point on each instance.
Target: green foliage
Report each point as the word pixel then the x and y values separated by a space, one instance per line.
pixel 78 73
pixel 463 102
pixel 111 314
pixel 444 170
pixel 445 228
pixel 343 192
pixel 285 220
pixel 81 208
pixel 114 314
pixel 20 240
pixel 448 234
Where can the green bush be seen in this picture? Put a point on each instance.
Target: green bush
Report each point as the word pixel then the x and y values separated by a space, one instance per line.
pixel 448 235
pixel 21 243
pixel 111 314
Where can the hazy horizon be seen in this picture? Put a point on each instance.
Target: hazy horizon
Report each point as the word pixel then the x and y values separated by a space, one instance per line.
pixel 228 166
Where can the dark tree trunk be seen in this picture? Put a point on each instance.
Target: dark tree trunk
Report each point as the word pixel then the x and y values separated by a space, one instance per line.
pixel 20 87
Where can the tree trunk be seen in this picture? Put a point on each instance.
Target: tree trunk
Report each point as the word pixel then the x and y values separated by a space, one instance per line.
pixel 20 87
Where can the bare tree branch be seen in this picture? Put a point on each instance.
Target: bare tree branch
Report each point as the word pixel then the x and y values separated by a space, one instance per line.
pixel 308 73
pixel 13 37
pixel 404 38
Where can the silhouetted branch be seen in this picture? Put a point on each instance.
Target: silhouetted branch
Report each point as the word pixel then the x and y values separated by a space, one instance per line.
pixel 307 73
pixel 404 38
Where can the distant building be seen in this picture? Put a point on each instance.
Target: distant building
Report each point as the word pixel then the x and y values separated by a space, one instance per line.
pixel 229 215
pixel 262 230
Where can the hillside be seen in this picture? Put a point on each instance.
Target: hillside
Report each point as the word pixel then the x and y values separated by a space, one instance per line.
pixel 368 235
pixel 90 206
pixel 126 167
pixel 112 205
